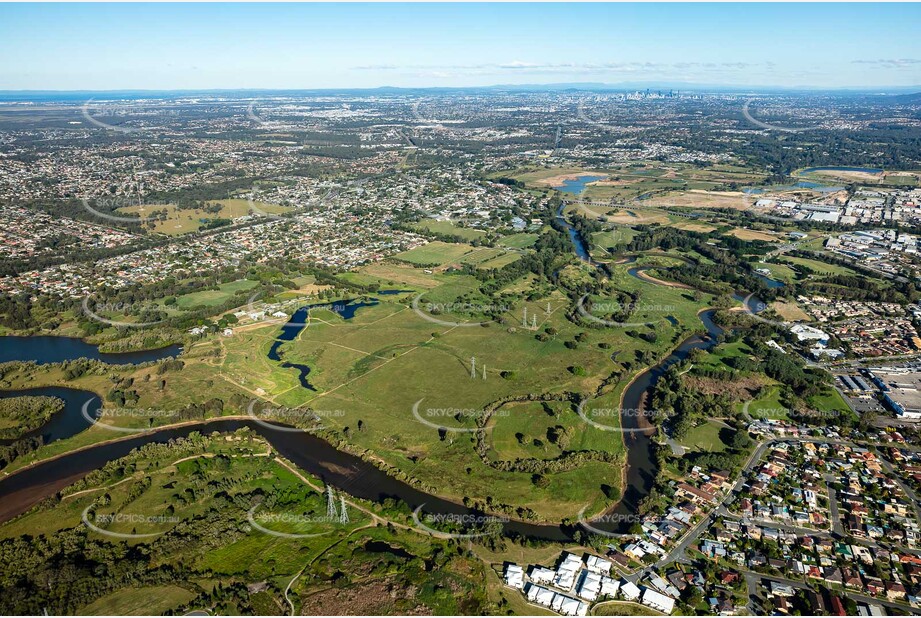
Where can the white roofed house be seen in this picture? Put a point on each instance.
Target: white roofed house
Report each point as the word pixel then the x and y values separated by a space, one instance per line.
pixel 540 595
pixel 589 585
pixel 572 607
pixel 658 601
pixel 514 576
pixel 609 586
pixel 541 575
pixel 598 565
pixel 566 572
pixel 629 590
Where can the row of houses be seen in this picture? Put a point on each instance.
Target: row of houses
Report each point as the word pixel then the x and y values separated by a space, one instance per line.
pixel 576 582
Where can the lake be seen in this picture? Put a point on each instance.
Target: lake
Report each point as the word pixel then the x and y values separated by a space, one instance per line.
pixel 575 186
pixel 865 170
pixel 45 349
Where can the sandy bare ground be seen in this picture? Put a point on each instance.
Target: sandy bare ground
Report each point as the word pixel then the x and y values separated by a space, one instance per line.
pixel 635 217
pixel 850 176
pixel 671 284
pixel 789 311
pixel 555 181
pixel 697 198
pixel 743 234
pixel 313 288
pixel 695 227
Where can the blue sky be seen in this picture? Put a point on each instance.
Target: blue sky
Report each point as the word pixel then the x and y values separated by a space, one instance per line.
pixel 198 46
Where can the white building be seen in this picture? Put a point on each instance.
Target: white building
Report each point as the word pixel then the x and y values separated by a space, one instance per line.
pixel 629 590
pixel 807 333
pixel 539 595
pixel 658 601
pixel 514 576
pixel 589 585
pixel 609 587
pixel 541 575
pixel 598 565
pixel 566 573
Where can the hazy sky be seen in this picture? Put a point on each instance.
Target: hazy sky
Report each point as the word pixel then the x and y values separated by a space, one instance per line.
pixel 192 46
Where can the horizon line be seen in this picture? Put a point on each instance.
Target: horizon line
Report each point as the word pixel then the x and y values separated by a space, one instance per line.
pixel 613 86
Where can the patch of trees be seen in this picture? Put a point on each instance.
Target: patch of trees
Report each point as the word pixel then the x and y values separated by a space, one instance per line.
pixel 27 413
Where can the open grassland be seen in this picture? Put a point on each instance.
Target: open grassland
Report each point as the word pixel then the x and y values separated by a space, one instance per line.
pixel 653 180
pixel 705 437
pixel 697 198
pixel 393 273
pixel 376 366
pixel 902 178
pixel 549 177
pixel 780 272
pixel 629 215
pixel 145 601
pixel 435 253
pixel 449 228
pixel 183 221
pixel 482 254
pixel 213 298
pixel 819 267
pixel 830 402
pixel 790 311
pixel 683 224
pixel 746 234
pixel 518 241
pixel 766 405
pixel 499 261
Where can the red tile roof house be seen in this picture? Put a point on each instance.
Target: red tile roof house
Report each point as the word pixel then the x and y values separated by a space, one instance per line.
pixel 874 585
pixel 729 577
pixel 851 579
pixel 691 492
pixel 895 590
pixel 837 607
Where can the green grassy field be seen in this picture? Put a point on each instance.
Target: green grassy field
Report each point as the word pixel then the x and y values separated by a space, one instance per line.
pixel 780 272
pixel 518 241
pixel 705 438
pixel 437 252
pixel 179 222
pixel 449 228
pixel 817 266
pixel 356 363
pixel 830 401
pixel 767 405
pixel 213 298
pixel 144 601
pixel 626 182
pixel 499 261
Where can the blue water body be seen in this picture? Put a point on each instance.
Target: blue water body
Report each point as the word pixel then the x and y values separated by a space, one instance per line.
pixel 48 349
pixel 802 184
pixel 577 185
pixel 771 283
pixel 343 308
pixel 866 170
pixel 574 236
pixel 69 421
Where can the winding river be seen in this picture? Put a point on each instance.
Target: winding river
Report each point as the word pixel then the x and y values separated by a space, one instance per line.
pixel 28 486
